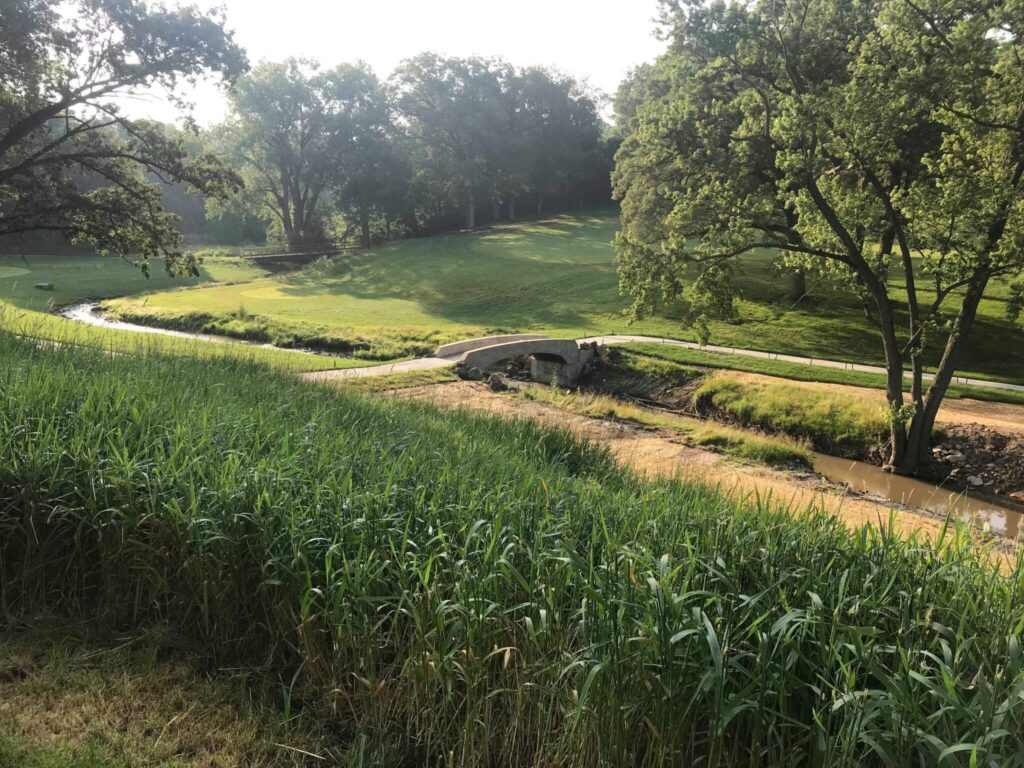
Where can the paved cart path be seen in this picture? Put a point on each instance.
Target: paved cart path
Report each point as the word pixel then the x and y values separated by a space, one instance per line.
pixel 85 313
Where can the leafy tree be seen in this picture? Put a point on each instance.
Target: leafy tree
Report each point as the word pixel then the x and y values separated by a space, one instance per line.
pixel 70 160
pixel 561 130
pixel 376 176
pixel 856 138
pixel 457 110
pixel 292 132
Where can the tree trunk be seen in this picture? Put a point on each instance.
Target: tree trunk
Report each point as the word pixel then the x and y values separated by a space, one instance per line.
pixel 893 374
pixel 387 229
pixel 364 227
pixel 470 211
pixel 797 285
pixel 919 441
pixel 512 208
pixel 495 209
pixel 540 204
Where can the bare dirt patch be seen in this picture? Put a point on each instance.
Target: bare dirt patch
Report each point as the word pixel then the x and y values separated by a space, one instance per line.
pixel 655 452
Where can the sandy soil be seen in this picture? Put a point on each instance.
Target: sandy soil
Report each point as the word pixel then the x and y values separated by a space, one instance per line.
pixel 1005 417
pixel 655 452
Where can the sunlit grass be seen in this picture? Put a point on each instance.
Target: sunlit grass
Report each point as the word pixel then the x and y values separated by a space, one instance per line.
pixel 49 328
pixel 830 420
pixel 772 451
pixel 556 277
pixel 394 381
pixel 689 358
pixel 450 589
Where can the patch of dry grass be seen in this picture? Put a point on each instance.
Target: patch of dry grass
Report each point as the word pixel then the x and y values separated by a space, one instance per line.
pixel 78 699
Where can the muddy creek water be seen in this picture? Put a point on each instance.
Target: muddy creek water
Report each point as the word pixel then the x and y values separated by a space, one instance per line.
pixel 869 479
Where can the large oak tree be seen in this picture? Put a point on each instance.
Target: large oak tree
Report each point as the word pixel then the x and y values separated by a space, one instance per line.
pixel 71 161
pixel 857 138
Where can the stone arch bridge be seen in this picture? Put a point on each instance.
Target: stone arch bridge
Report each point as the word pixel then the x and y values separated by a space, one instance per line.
pixel 550 359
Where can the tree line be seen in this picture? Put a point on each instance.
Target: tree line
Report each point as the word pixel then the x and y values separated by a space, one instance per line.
pixel 443 143
pixel 306 153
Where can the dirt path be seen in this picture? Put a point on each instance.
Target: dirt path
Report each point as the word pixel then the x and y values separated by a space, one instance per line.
pixel 658 453
pixel 1005 417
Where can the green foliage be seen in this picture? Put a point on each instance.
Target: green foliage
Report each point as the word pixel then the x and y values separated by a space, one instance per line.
pixel 480 592
pixel 296 134
pixel 857 139
pixel 70 162
pixel 483 129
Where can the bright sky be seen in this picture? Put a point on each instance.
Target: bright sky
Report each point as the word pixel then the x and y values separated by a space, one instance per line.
pixel 596 40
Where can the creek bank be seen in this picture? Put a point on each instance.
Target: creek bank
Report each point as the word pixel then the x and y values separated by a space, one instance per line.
pixel 93 313
pixel 242 325
pixel 981 458
pixel 985 461
pixel 857 498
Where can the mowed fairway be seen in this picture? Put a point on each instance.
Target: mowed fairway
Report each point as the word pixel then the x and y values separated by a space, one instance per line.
pixel 84 276
pixel 556 277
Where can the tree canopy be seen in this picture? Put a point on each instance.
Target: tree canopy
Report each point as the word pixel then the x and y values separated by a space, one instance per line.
pixel 484 129
pixel 70 160
pixel 858 139
pixel 296 134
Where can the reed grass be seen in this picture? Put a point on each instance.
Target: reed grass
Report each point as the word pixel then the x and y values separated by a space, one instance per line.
pixel 455 590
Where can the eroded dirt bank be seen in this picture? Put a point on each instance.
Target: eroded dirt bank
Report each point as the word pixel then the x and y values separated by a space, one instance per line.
pixel 656 452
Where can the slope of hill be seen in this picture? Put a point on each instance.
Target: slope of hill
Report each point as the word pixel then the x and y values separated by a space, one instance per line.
pixel 556 277
pixel 447 588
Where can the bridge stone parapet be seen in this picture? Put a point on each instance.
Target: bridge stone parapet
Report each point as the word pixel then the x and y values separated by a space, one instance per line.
pixel 459 348
pixel 561 359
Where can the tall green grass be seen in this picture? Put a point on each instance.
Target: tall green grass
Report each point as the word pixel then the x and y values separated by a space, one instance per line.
pixel 831 420
pixel 460 591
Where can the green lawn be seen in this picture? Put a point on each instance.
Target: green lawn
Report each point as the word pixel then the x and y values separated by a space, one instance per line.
pixel 77 277
pixel 26 310
pixel 556 277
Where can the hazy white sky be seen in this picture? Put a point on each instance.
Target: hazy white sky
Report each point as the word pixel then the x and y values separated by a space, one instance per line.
pixel 598 40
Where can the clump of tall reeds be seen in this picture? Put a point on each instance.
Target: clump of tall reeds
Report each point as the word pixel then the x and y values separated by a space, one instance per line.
pixel 458 590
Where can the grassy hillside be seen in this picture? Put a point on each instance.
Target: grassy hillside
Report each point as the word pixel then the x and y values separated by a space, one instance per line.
pixel 449 589
pixel 26 310
pixel 555 277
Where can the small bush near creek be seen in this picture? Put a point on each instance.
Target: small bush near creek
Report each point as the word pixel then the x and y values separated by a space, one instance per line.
pixel 455 590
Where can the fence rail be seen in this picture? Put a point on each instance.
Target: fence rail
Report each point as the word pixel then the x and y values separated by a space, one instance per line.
pixel 279 251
